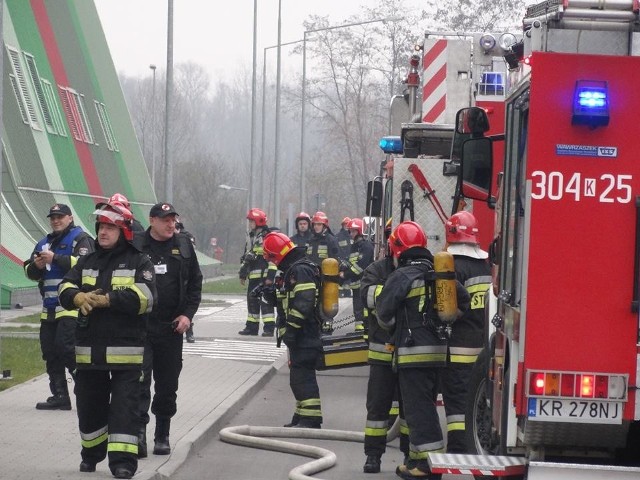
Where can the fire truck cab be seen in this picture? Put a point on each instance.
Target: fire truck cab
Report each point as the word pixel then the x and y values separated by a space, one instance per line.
pixel 555 391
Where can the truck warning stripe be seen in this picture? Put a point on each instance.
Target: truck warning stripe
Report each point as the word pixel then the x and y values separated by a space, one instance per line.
pixel 434 93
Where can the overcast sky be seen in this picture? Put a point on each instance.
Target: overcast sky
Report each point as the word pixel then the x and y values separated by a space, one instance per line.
pixel 215 34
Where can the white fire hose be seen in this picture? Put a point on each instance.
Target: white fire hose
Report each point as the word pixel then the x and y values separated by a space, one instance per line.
pixel 259 437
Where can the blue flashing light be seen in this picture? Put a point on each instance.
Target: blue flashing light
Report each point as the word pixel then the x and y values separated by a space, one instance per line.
pixel 590 104
pixel 390 145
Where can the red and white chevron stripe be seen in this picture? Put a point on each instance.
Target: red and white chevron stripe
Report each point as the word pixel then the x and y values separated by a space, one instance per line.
pixel 434 75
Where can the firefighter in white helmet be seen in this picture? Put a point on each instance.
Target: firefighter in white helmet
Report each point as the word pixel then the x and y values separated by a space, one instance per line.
pixel 472 271
pixel 407 307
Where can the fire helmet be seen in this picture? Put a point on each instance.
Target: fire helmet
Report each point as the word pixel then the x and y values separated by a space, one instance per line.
pixel 120 198
pixel 345 222
pixel 356 224
pixel 320 217
pixel 257 216
pixel 462 227
pixel 405 236
pixel 115 214
pixel 303 216
pixel 276 246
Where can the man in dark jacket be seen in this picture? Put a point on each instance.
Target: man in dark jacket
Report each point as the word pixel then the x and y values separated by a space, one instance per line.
pixel 323 243
pixel 298 325
pixel 303 230
pixel 179 284
pixel 114 289
pixel 51 259
pixel 406 307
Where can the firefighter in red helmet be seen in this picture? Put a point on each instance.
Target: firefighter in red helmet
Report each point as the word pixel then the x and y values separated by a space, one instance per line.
pixel 260 273
pixel 406 307
pixel 298 326
pixel 303 230
pixel 474 272
pixel 323 243
pixel 360 257
pixel 344 249
pixel 119 198
pixel 114 288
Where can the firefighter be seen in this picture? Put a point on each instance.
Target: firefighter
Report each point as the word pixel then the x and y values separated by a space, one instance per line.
pixel 323 243
pixel 383 400
pixel 303 230
pixel 52 257
pixel 472 271
pixel 406 307
pixel 298 325
pixel 114 288
pixel 120 198
pixel 179 286
pixel 260 274
pixel 344 248
pixel 360 257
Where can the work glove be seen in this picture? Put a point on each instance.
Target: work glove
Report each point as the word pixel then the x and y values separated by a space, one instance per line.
pixel 97 300
pixel 81 301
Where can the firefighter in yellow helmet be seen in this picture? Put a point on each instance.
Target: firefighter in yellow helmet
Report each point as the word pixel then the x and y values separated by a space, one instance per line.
pixel 298 326
pixel 114 288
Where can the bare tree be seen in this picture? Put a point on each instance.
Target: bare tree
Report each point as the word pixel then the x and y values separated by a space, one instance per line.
pixel 477 15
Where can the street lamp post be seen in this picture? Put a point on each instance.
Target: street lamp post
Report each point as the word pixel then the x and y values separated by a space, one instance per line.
pixel 168 173
pixel 277 132
pixel 230 187
pixel 153 127
pixel 304 91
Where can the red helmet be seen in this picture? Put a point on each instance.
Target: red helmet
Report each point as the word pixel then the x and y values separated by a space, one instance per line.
pixel 115 214
pixel 120 198
pixel 320 217
pixel 303 216
pixel 345 221
pixel 405 236
pixel 462 227
pixel 257 216
pixel 356 224
pixel 275 247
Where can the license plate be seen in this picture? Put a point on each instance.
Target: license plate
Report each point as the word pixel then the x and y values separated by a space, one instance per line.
pixel 575 411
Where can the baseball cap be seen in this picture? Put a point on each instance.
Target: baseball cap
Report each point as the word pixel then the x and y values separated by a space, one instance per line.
pixel 59 209
pixel 162 210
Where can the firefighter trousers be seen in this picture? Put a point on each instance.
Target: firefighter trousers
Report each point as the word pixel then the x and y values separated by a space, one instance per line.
pixel 417 387
pixel 454 382
pixel 57 342
pixel 304 384
pixel 163 360
pixel 107 403
pixel 358 308
pixel 382 391
pixel 256 307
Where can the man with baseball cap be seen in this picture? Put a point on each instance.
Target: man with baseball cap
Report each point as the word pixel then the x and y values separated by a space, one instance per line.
pixel 51 259
pixel 179 286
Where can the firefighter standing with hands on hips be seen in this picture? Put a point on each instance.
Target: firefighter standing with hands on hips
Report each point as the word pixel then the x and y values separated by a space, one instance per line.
pixel 114 288
pixel 303 230
pixel 52 258
pixel 298 325
pixel 260 274
pixel 360 257
pixel 407 307
pixel 383 399
pixel 179 285
pixel 472 271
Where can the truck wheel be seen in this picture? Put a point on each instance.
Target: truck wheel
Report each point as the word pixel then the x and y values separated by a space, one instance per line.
pixel 479 437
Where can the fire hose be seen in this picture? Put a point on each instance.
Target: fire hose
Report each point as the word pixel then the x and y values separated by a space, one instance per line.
pixel 260 437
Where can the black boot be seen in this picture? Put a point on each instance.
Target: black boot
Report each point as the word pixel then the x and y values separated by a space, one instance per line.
pixel 60 399
pixel 161 439
pixel 308 423
pixel 268 330
pixel 142 442
pixel 249 330
pixel 294 421
pixel 372 464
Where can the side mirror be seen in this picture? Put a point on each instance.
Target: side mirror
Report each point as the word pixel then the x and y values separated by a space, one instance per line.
pixel 472 120
pixel 477 158
pixel 374 198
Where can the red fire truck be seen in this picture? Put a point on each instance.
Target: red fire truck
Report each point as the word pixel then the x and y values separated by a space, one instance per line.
pixel 555 391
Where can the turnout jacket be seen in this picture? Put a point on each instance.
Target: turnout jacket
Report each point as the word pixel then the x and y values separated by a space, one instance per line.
pixel 182 264
pixel 322 245
pixel 112 337
pixel 467 338
pixel 254 266
pixel 406 307
pixel 67 246
pixel 344 243
pixel 298 323
pixel 373 279
pixel 360 258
